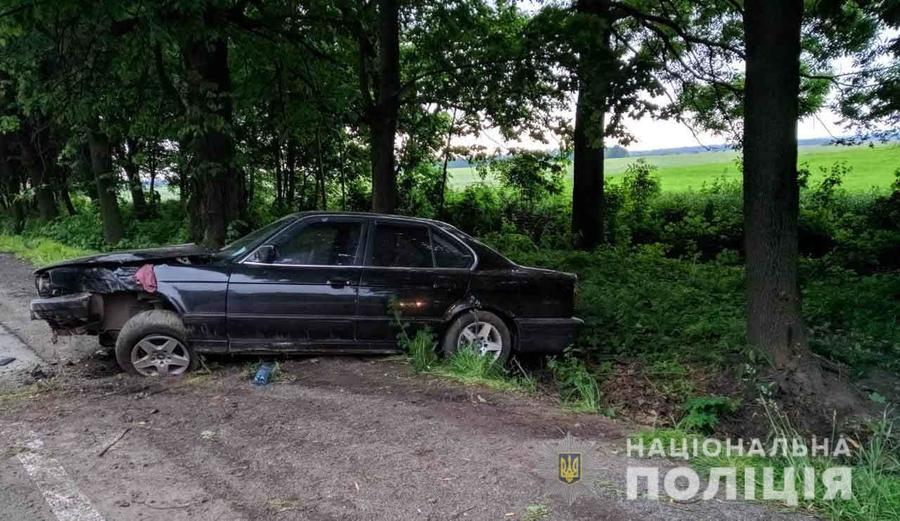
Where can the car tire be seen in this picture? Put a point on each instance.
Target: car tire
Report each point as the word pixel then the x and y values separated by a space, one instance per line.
pixel 154 343
pixel 479 322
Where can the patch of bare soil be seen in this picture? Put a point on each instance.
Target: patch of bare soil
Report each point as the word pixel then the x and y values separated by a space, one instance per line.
pixel 332 438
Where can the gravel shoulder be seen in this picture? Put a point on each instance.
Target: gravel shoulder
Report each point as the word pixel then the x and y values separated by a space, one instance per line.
pixel 333 438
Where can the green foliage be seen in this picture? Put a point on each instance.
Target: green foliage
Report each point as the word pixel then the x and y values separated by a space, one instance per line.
pixel 468 364
pixel 420 349
pixel 39 251
pixel 875 465
pixel 578 388
pixel 702 413
pixel 536 512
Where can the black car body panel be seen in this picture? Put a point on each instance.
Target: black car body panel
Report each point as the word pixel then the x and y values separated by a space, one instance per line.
pixel 317 299
pixel 180 251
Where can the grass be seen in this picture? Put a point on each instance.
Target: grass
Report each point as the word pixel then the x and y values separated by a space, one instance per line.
pixel 39 251
pixel 872 167
pixel 875 469
pixel 469 367
pixel 536 512
pixel 578 388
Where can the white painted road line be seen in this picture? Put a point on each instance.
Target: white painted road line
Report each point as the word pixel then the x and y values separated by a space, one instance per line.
pixel 62 495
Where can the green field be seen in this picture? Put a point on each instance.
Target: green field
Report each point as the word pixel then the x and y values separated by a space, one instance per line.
pixel 872 167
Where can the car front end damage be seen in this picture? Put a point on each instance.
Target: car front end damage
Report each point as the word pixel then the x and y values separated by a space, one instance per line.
pixel 76 300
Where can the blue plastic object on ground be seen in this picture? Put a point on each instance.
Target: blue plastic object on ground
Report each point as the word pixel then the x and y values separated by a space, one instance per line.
pixel 263 374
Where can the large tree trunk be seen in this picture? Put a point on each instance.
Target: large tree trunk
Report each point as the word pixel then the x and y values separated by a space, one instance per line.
pixel 133 173
pixel 590 122
pixel 387 106
pixel 105 178
pixel 218 186
pixel 771 201
pixel 771 192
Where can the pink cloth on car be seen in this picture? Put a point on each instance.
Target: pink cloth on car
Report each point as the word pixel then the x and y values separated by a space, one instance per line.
pixel 146 278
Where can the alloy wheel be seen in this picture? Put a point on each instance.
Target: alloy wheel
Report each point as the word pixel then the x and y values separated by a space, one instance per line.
pixel 483 337
pixel 160 355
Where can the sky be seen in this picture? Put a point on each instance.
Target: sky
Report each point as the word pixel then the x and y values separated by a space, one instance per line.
pixel 653 134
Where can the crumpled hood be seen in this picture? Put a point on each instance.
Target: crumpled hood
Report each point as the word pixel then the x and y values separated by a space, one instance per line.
pixel 152 255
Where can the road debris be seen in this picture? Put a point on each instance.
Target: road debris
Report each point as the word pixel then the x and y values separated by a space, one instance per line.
pixel 113 442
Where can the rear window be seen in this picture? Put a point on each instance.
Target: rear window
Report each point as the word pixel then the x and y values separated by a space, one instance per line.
pixel 401 246
pixel 416 246
pixel 449 253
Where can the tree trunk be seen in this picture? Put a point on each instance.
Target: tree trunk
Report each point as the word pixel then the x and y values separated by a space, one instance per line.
pixel 386 110
pixel 771 201
pixel 771 192
pixel 443 189
pixel 64 191
pixel 133 173
pixel 105 178
pixel 11 184
pixel 291 171
pixel 590 122
pixel 38 175
pixel 220 188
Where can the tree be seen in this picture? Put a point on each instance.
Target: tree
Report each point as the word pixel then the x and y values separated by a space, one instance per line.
pixel 595 73
pixel 384 112
pixel 772 105
pixel 105 179
pixel 771 192
pixel 616 56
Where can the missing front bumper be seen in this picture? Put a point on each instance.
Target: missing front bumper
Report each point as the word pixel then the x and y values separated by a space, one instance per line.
pixel 66 312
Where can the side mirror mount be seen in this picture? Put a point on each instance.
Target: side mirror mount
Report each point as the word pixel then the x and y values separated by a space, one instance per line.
pixel 266 254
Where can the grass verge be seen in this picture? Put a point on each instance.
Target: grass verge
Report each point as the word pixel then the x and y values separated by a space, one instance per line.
pixel 875 468
pixel 39 251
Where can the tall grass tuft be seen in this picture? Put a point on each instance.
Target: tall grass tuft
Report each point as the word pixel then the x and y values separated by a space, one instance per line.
pixel 420 349
pixel 578 388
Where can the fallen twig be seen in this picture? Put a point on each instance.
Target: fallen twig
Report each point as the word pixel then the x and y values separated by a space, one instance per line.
pixel 113 442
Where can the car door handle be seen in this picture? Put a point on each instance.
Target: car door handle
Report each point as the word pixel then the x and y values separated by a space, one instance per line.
pixel 337 283
pixel 442 285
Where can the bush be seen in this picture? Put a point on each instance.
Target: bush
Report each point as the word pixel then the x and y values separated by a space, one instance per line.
pixel 702 413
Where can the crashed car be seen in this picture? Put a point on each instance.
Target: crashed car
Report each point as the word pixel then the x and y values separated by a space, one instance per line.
pixel 313 282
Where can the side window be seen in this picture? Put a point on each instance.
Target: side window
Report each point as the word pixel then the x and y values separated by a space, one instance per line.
pixel 319 244
pixel 401 246
pixel 449 253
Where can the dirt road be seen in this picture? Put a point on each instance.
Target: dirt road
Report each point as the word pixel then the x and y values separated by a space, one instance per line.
pixel 334 438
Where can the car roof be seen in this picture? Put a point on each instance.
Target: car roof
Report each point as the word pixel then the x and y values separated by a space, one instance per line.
pixel 373 215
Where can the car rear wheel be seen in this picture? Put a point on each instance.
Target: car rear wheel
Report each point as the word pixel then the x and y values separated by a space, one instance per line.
pixel 154 343
pixel 487 333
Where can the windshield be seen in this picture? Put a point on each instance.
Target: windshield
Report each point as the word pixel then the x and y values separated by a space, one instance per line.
pixel 249 241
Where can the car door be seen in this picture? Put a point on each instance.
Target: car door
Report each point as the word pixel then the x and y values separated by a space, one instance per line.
pixel 305 297
pixel 413 271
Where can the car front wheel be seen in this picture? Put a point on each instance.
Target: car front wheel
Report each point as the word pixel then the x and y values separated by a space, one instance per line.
pixel 154 343
pixel 484 331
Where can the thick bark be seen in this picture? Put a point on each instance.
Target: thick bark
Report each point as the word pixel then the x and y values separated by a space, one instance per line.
pixel 771 201
pixel 218 187
pixel 105 179
pixel 383 119
pixel 132 172
pixel 771 192
pixel 590 122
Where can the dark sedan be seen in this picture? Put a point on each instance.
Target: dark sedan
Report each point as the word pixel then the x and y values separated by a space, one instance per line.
pixel 315 282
